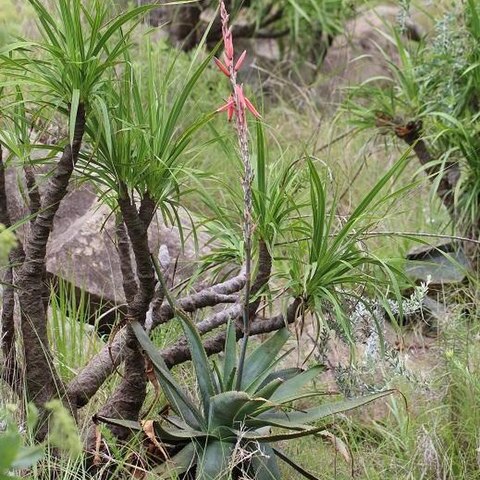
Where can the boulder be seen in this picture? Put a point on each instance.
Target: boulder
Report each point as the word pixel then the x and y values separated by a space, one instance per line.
pixel 361 52
pixel 82 251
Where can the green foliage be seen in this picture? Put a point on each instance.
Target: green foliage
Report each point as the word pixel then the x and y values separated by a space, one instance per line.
pixel 328 255
pixel 138 139
pixel 308 23
pixel 13 454
pixel 277 200
pixel 7 242
pixel 207 436
pixel 437 82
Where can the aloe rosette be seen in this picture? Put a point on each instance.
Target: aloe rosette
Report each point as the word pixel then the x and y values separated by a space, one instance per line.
pixel 206 439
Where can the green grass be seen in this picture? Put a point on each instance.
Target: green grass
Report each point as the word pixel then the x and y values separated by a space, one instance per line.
pixel 438 436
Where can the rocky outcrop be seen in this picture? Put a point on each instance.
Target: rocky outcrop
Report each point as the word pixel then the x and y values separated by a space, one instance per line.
pixel 82 251
pixel 363 50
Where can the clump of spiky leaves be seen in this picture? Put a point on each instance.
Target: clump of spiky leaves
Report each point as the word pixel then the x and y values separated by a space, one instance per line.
pixel 204 436
pixel 435 85
pixel 139 135
pixel 328 263
pixel 276 201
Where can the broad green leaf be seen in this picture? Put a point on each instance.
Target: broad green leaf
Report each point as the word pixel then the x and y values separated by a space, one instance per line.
pixel 215 463
pixel 270 389
pixel 177 435
pixel 291 389
pixel 176 396
pixel 224 407
pixel 262 357
pixel 130 424
pixel 200 362
pixel 285 374
pixel 230 360
pixel 265 466
pixel 299 420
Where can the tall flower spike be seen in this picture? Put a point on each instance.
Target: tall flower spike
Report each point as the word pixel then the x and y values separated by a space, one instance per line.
pixel 237 104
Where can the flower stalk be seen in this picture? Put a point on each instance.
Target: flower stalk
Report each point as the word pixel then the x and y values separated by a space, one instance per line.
pixel 236 107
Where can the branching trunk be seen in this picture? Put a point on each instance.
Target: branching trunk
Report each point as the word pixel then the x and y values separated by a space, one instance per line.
pixel 446 175
pixel 82 388
pixel 127 400
pixel 41 379
pixel 180 353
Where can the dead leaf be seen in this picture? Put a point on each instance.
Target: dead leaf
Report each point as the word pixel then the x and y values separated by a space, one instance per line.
pixel 339 445
pixel 149 429
pixel 97 460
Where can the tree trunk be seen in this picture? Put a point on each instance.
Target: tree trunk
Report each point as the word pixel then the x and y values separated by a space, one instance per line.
pixel 41 379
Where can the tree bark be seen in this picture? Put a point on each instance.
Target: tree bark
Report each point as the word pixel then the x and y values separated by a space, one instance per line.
pixel 447 175
pixel 127 400
pixel 41 379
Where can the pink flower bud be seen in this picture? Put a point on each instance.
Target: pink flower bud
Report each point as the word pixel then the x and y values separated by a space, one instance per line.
pixel 240 60
pixel 221 66
pixel 251 108
pixel 228 43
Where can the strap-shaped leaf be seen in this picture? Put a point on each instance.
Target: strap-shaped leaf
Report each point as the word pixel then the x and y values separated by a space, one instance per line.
pixel 174 393
pixel 205 380
pixel 263 357
pixel 134 13
pixel 130 424
pixel 255 385
pixel 204 373
pixel 317 413
pixel 230 361
pixel 270 389
pixel 265 466
pixel 290 390
pixel 254 406
pixel 298 420
pixel 284 374
pixel 215 463
pixel 177 435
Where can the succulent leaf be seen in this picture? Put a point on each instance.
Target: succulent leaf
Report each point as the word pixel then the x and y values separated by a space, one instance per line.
pixel 178 464
pixel 205 380
pixel 215 463
pixel 224 407
pixel 177 398
pixel 291 388
pixel 263 357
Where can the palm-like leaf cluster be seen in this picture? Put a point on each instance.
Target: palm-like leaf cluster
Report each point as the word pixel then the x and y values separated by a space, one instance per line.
pixel 436 82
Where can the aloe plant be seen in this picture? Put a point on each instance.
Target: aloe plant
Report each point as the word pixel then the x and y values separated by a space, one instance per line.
pixel 205 438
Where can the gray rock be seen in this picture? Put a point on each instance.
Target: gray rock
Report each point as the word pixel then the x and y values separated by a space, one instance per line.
pixel 356 55
pixel 81 249
pixel 442 265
